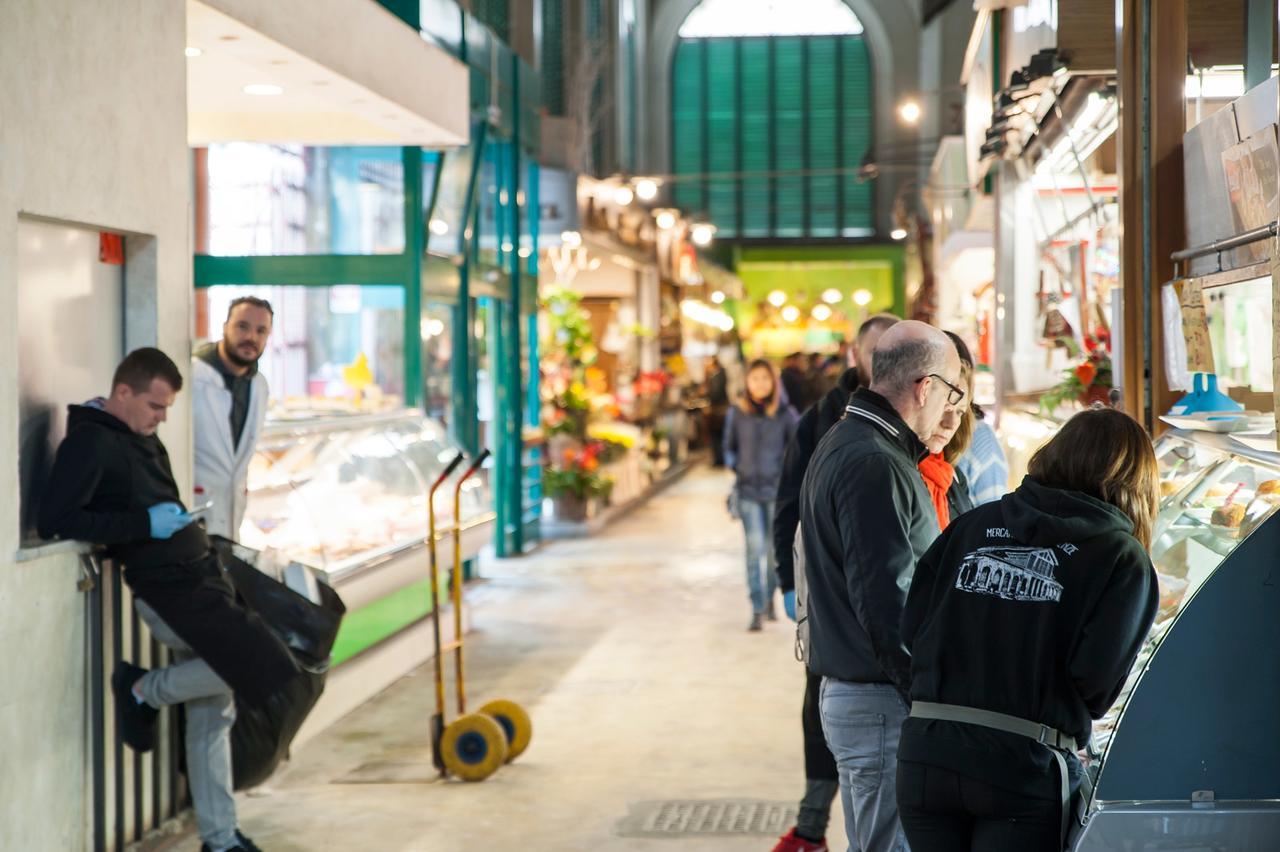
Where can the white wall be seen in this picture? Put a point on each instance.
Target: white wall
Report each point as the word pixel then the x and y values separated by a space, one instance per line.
pixel 92 131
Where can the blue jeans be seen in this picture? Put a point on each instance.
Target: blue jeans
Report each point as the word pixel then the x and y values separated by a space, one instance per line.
pixel 757 521
pixel 863 723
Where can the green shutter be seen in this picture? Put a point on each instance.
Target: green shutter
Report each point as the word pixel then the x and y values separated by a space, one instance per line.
pixel 757 136
pixel 857 124
pixel 798 107
pixel 789 117
pixel 722 134
pixel 553 56
pixel 824 141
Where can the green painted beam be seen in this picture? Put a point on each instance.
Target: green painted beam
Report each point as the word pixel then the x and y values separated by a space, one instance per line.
pixel 311 270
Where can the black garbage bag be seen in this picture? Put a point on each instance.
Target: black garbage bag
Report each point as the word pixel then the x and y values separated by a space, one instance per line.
pixel 264 729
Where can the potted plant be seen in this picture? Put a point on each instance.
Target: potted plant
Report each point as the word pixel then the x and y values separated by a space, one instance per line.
pixel 1087 382
pixel 575 485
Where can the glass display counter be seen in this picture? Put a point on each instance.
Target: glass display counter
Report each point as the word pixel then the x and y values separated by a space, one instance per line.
pixel 345 493
pixel 1193 742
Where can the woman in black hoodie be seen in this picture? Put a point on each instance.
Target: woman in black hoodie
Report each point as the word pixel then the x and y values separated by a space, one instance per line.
pixel 1023 620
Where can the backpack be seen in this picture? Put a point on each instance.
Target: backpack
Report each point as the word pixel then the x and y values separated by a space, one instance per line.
pixel 802 598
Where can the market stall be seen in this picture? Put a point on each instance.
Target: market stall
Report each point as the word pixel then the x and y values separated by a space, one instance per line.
pixel 1189 756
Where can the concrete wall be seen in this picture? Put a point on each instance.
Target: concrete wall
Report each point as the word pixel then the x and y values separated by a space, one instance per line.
pixel 92 131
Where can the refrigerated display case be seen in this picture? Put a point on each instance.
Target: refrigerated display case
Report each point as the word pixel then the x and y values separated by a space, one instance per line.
pixel 348 496
pixel 1189 755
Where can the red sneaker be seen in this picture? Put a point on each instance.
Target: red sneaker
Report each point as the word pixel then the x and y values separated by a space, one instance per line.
pixel 791 842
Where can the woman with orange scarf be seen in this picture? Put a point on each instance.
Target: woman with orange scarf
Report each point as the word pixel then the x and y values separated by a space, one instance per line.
pixel 947 486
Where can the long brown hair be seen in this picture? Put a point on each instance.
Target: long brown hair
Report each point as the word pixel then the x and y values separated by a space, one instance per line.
pixel 963 437
pixel 775 398
pixel 1105 454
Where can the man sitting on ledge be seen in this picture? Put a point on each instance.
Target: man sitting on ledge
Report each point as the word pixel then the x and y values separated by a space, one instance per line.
pixel 112 485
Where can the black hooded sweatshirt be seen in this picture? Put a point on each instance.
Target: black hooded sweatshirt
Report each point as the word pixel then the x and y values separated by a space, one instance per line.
pixel 105 477
pixel 1036 607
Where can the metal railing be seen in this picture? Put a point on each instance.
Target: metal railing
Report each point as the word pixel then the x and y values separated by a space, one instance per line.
pixel 133 794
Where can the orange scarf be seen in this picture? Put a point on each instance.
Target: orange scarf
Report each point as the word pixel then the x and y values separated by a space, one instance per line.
pixel 938 475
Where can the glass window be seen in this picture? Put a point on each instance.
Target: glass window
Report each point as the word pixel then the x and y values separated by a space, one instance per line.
pixel 437 359
pixel 332 349
pixel 770 17
pixel 294 200
pixel 445 230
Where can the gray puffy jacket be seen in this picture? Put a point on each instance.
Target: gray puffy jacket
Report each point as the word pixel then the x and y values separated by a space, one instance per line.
pixel 753 447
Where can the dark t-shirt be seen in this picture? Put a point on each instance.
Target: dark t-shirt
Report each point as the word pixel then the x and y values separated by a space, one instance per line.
pixel 241 388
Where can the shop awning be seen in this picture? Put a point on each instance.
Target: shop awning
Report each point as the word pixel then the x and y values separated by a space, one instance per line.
pixel 318 72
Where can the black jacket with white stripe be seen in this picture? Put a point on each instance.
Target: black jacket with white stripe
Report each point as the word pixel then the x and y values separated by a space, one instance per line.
pixel 866 518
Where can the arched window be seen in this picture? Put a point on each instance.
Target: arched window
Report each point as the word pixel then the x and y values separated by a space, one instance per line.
pixel 771 117
pixel 742 18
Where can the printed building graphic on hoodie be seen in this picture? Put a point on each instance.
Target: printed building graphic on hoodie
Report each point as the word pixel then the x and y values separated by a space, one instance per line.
pixel 1014 573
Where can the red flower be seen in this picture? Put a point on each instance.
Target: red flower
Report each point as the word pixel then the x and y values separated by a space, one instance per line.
pixel 1086 373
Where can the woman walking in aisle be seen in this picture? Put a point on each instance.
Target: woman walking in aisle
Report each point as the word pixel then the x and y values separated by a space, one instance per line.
pixel 756 433
pixel 1023 620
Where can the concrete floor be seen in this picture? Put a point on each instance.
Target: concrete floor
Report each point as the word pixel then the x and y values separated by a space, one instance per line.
pixel 629 651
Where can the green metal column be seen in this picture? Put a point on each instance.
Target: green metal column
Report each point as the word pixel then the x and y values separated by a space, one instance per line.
pixel 466 428
pixel 414 235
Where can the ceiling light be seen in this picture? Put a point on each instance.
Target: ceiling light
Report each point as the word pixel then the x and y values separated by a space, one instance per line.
pixel 898 233
pixel 909 111
pixel 193 52
pixel 622 196
pixel 439 227
pixel 431 328
pixel 717 297
pixel 507 248
pixel 595 264
pixel 646 189
pixel 832 296
pixel 791 313
pixel 862 298
pixel 666 220
pixel 571 238
pixel 821 313
pixel 263 89
pixel 525 251
pixel 702 234
pixel 777 298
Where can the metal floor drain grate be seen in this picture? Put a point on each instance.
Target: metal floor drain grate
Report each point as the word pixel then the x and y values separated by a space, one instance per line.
pixel 707 817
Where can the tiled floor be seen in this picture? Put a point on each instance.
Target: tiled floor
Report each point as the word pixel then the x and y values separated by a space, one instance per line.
pixel 629 651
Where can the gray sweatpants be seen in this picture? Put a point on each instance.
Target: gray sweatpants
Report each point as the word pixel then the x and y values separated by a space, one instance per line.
pixel 211 711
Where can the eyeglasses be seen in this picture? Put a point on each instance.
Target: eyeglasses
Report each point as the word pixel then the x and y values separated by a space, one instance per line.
pixel 954 394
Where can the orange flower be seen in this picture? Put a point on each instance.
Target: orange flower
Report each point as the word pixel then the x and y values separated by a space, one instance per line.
pixel 1086 373
pixel 589 464
pixel 569 455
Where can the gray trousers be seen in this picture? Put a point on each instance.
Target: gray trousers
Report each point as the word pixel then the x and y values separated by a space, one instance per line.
pixel 211 711
pixel 863 723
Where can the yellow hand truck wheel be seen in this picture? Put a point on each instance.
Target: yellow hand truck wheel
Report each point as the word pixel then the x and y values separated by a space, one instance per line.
pixel 473 747
pixel 515 723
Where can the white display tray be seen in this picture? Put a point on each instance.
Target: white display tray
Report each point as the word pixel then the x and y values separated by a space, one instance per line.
pixel 1220 421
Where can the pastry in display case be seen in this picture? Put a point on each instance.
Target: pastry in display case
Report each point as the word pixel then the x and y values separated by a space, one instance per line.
pixel 1212 539
pixel 342 493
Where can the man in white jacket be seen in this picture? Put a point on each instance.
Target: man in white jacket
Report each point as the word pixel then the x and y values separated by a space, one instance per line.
pixel 230 401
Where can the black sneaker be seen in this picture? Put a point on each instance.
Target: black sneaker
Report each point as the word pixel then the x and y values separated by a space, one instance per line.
pixel 243 844
pixel 137 721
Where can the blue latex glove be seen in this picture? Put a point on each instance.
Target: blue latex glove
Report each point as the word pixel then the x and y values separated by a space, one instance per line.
pixel 167 519
pixel 789 604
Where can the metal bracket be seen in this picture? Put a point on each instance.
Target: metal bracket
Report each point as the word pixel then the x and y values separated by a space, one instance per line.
pixel 1202 799
pixel 90 573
